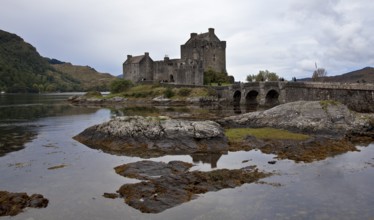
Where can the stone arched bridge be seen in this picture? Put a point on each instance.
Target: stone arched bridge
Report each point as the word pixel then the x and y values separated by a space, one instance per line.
pixel 357 96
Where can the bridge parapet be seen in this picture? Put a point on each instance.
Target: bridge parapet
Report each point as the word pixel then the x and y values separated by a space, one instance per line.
pixel 357 96
pixel 322 85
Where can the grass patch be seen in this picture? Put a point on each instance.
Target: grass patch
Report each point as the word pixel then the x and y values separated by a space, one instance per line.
pixel 152 91
pixel 93 94
pixel 325 103
pixel 239 134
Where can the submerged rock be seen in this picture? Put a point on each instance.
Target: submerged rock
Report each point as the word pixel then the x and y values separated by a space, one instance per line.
pixel 147 136
pixel 12 204
pixel 145 170
pixel 175 185
pixel 312 117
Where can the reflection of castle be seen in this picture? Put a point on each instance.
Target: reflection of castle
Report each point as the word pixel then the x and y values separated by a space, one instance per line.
pixel 200 53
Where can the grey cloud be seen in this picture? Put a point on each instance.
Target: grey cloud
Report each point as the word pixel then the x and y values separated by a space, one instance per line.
pixel 288 37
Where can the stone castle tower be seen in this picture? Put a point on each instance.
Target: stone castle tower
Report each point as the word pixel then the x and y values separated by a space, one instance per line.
pixel 200 53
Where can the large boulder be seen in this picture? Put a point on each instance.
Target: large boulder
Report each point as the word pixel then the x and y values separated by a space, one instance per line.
pixel 154 136
pixel 316 117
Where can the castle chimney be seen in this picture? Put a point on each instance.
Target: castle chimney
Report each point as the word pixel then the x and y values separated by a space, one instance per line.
pixel 129 57
pixel 211 31
pixel 146 54
pixel 193 35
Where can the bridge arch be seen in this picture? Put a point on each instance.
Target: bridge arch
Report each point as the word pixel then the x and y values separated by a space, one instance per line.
pixel 237 96
pixel 251 97
pixel 271 98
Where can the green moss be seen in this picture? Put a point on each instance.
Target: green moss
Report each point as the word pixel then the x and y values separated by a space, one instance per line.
pixel 325 103
pixel 238 134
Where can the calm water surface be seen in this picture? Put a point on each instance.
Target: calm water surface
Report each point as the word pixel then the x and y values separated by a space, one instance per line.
pixel 36 134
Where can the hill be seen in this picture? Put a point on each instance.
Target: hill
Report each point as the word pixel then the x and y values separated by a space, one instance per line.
pixel 365 75
pixel 88 77
pixel 23 69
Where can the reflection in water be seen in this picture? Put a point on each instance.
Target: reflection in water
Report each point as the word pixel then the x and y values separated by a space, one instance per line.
pixel 18 112
pixel 13 138
pixel 28 107
pixel 237 109
pixel 210 158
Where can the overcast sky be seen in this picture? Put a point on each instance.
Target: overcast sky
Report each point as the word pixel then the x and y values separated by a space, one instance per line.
pixel 287 37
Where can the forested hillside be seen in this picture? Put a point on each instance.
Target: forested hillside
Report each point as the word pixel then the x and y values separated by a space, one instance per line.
pixel 23 69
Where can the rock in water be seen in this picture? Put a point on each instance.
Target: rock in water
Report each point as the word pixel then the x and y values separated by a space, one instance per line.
pixel 12 204
pixel 171 184
pixel 316 117
pixel 150 136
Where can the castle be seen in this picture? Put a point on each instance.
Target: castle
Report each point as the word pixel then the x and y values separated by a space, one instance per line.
pixel 200 53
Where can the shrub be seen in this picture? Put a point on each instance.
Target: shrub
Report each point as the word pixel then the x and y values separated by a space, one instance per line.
pixel 184 92
pixel 120 85
pixel 168 93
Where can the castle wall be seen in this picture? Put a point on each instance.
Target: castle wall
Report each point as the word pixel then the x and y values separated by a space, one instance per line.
pixel 141 69
pixel 189 74
pixel 146 69
pixel 131 72
pixel 206 48
pixel 212 54
pixel 215 56
pixel 165 70
pixel 200 53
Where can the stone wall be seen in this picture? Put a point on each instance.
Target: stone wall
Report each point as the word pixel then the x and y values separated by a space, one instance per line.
pixel 358 97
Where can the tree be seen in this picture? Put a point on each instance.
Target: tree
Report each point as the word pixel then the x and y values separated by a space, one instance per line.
pixel 319 74
pixel 212 76
pixel 263 76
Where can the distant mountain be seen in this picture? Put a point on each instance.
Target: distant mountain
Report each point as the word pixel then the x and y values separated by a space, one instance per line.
pixel 358 76
pixel 22 69
pixel 363 75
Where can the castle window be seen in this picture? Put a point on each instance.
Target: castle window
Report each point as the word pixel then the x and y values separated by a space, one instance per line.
pixel 214 57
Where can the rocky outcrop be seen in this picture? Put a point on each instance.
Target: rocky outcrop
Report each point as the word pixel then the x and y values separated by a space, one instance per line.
pixel 12 204
pixel 176 185
pixel 154 136
pixel 313 117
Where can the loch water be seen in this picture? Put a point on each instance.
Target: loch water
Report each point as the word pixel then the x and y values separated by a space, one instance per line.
pixel 38 155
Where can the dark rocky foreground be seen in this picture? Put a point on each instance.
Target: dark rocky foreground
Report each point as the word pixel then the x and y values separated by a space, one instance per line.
pixel 13 203
pixel 154 136
pixel 176 185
